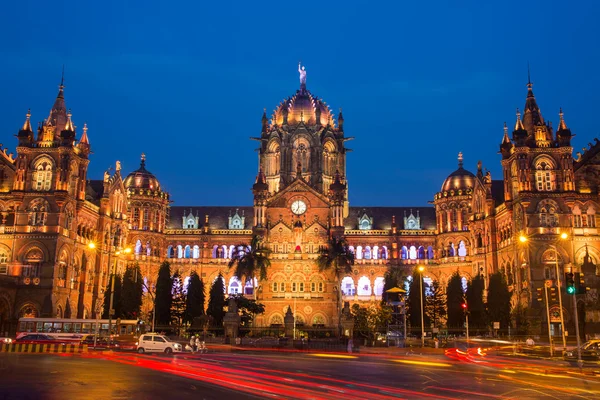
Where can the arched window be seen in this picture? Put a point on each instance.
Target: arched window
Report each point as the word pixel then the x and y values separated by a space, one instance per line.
pixel 421 253
pixel 38 212
pixel 378 286
pixel 179 251
pixel 364 286
pixel 384 253
pixel 170 252
pixel 462 249
pixel 412 253
pixel 376 252
pixel 464 282
pixel 138 247
pixel 359 252
pixel 548 213
pixel 544 176
pixel 590 218
pixel 3 261
pixel 367 254
pixel 235 286
pixel 42 179
pixel 187 252
pixel 451 250
pixel 430 253
pixel 348 286
pixel 148 249
pixel 404 253
pixel 196 252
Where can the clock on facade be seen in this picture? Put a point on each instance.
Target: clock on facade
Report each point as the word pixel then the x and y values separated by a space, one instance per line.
pixel 298 207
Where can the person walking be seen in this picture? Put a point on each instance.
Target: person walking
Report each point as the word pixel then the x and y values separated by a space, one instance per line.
pixel 198 348
pixel 193 343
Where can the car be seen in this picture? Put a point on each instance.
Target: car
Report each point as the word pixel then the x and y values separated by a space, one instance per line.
pixel 38 338
pixel 5 340
pixel 589 351
pixel 148 343
pixel 100 342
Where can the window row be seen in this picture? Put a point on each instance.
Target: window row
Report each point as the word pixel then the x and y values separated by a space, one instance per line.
pixel 416 253
pixel 363 286
pixel 298 286
pixel 369 253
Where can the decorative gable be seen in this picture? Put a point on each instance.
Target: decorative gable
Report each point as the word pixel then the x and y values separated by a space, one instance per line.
pixel 236 221
pixel 365 223
pixel 190 221
pixel 412 222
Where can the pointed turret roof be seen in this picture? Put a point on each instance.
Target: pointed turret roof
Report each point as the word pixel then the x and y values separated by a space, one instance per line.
pixel 58 113
pixel 69 125
pixel 505 138
pixel 532 116
pixel 84 136
pixel 27 124
pixel 261 181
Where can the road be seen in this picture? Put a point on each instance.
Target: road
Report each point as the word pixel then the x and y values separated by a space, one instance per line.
pixel 291 375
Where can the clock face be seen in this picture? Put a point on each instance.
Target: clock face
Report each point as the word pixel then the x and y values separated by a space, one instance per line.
pixel 298 207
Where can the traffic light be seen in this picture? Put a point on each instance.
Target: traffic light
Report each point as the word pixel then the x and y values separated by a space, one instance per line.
pixel 570 283
pixel 540 296
pixel 464 306
pixel 553 294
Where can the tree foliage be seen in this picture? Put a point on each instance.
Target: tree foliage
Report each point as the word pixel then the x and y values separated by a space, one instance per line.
pixel 394 277
pixel 370 320
pixel 131 297
pixel 116 297
pixel 519 315
pixel 454 301
pixel 338 258
pixel 416 290
pixel 248 309
pixel 178 301
pixel 163 296
pixel 476 307
pixel 250 262
pixel 216 301
pixel 498 300
pixel 194 305
pixel 435 306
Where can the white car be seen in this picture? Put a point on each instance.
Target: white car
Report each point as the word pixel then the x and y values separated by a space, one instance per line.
pixel 157 343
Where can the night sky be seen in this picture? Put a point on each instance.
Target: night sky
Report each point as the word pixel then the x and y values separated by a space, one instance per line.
pixel 186 83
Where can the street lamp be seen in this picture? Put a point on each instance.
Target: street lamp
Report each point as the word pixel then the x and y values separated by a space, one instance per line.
pixel 421 268
pixel 464 306
pixel 524 239
pixel 563 236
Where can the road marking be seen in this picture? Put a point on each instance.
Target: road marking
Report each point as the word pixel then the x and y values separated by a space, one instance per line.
pixel 423 363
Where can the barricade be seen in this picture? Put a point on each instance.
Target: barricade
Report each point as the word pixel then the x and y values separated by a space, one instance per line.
pixel 43 348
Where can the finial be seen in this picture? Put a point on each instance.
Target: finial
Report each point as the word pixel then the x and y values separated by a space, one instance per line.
pixel 62 78
pixel 27 124
pixel 460 159
pixel 143 162
pixel 69 125
pixel 505 138
pixel 528 75
pixel 562 124
pixel 84 136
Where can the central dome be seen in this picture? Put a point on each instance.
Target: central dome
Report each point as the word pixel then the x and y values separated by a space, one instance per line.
pixel 141 178
pixel 461 179
pixel 302 107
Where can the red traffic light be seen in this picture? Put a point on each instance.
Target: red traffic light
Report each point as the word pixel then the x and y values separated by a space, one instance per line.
pixel 464 305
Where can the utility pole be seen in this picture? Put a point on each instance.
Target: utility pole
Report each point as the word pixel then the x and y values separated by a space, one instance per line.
pixel 548 316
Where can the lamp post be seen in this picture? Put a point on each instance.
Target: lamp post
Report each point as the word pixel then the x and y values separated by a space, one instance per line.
pixel 523 239
pixel 421 268
pixel 464 306
pixel 563 236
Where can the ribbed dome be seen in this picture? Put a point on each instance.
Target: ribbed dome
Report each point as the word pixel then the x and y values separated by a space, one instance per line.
pixel 303 107
pixel 142 178
pixel 459 179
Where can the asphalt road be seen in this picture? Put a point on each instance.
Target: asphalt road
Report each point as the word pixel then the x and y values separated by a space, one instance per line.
pixel 290 375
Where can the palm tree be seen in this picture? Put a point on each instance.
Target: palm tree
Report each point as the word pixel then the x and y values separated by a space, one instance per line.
pixel 250 261
pixel 337 257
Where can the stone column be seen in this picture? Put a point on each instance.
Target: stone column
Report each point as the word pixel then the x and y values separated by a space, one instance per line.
pixel 347 321
pixel 231 321
pixel 288 322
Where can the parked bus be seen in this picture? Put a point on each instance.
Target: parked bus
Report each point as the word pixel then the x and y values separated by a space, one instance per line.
pixel 75 329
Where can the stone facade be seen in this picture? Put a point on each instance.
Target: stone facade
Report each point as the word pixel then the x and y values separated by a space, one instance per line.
pixel 51 212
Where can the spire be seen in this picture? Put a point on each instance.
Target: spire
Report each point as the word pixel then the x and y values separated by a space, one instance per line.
pixel 460 159
pixel 27 125
pixel 341 121
pixel 261 182
pixel 58 113
pixel 84 137
pixel 561 125
pixel 505 139
pixel 265 121
pixel 69 125
pixel 143 161
pixel 519 123
pixel 532 116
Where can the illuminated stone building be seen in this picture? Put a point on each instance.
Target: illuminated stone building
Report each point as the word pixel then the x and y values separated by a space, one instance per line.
pixel 51 211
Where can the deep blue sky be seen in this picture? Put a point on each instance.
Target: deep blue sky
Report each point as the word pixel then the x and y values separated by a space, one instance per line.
pixel 186 83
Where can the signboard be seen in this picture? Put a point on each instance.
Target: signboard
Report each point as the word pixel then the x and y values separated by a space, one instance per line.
pixel 496 325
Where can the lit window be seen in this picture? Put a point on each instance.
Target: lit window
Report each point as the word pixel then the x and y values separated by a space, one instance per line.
pixel 544 177
pixel 43 176
pixel 275 286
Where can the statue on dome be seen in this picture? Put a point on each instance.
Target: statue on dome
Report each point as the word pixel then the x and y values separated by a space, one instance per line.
pixel 302 71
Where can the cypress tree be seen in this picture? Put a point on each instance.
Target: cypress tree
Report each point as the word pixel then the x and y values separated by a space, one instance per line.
pixel 163 296
pixel 476 307
pixel 454 300
pixel 131 299
pixel 435 307
pixel 178 301
pixel 194 305
pixel 216 301
pixel 414 302
pixel 498 300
